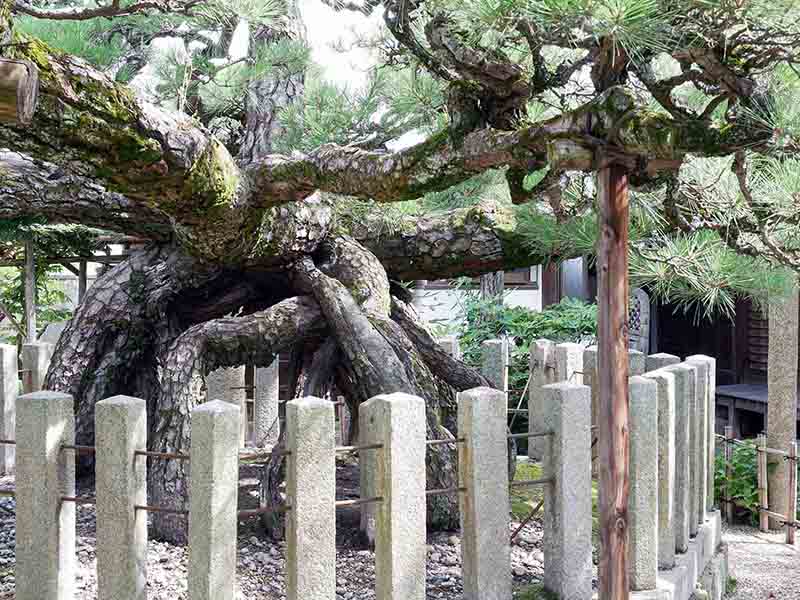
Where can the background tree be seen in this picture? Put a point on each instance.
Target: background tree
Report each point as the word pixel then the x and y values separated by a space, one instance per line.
pixel 510 105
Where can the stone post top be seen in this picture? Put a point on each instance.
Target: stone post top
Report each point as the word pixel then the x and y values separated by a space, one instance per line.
pixel 565 386
pixel 699 358
pixel 641 383
pixel 660 373
pixel 396 398
pixel 682 367
pixel 482 391
pixel 494 342
pixel 37 345
pixel 570 345
pixel 310 401
pixel 122 401
pixel 44 396
pixel 634 353
pixel 663 355
pixel 216 407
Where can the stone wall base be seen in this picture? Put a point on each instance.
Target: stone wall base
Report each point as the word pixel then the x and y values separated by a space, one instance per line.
pixel 701 573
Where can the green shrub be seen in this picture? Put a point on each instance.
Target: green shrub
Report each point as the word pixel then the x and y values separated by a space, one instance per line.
pixel 743 484
pixel 570 320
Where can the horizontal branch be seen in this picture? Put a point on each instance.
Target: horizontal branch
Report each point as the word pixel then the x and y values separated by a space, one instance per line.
pixel 108 11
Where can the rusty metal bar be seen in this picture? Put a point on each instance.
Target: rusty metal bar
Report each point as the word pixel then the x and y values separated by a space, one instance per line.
pixel 528 519
pixel 530 482
pixel 358 501
pixel 442 442
pixel 443 491
pixel 771 451
pixel 9 442
pixel 264 510
pixel 358 448
pixel 79 449
pixel 519 436
pixel 257 455
pixel 161 509
pixel 164 455
pixel 78 499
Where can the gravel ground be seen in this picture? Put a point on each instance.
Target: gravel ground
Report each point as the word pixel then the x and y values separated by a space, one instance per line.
pixel 261 561
pixel 763 566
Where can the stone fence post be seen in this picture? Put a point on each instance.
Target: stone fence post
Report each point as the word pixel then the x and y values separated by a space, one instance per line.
pixel 711 421
pixel 121 483
pixel 9 388
pixel 266 421
pixel 35 362
pixel 665 382
pixel 311 496
pixel 643 497
pixel 482 459
pixel 542 373
pixel 45 538
pixel 568 498
pixel 684 400
pixel 214 473
pixel 699 444
pixel 228 384
pixel 397 421
pixel 494 363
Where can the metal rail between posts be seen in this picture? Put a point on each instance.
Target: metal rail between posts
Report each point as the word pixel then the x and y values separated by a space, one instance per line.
pixel 358 501
pixel 8 442
pixel 460 440
pixel 344 449
pixel 162 455
pixel 535 434
pixel 531 482
pixel 79 499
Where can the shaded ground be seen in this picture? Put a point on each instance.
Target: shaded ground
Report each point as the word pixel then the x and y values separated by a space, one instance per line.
pixel 261 561
pixel 762 565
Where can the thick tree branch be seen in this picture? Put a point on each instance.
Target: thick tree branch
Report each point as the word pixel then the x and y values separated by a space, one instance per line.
pixel 108 11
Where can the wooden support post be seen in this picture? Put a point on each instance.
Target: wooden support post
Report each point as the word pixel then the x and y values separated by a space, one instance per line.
pixel 612 377
pixel 728 473
pixel 82 280
pixel 791 516
pixel 30 292
pixel 19 91
pixel 763 494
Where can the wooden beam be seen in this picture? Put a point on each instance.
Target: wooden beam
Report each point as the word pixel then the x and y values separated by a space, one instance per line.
pixel 10 316
pixel 612 358
pixel 83 277
pixel 30 291
pixel 19 91
pixel 70 268
pixel 58 260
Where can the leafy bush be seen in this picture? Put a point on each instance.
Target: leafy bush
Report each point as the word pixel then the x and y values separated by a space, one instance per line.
pixel 570 320
pixel 743 484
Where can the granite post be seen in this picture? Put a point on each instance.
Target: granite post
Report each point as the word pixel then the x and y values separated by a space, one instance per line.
pixel 397 421
pixel 665 380
pixel 485 550
pixel 9 388
pixel 711 422
pixel 35 362
pixel 643 498
pixel 494 363
pixel 311 494
pixel 701 441
pixel 660 360
pixel 568 498
pixel 266 424
pixel 228 384
pixel 543 372
pixel 121 484
pixel 684 400
pixel 45 525
pixel 213 499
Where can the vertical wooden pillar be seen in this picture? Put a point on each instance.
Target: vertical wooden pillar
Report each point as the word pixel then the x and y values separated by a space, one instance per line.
pixel 82 280
pixel 612 377
pixel 791 515
pixel 763 493
pixel 728 474
pixel 30 293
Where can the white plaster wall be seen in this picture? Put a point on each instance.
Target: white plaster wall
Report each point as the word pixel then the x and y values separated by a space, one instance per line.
pixel 443 306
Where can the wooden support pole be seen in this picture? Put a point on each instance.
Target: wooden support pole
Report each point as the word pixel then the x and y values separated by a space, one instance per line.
pixel 82 280
pixel 612 377
pixel 30 292
pixel 728 473
pixel 763 494
pixel 791 516
pixel 19 91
